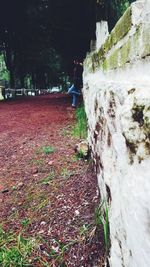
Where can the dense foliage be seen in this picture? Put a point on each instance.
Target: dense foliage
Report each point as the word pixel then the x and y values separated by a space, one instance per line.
pixel 40 38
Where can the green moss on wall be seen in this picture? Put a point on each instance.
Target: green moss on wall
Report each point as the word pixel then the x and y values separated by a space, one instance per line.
pixel 121 29
pixel 113 59
pixel 120 56
pixel 101 54
pixel 146 41
pixel 125 53
pixel 105 65
pixel 98 58
pixel 135 46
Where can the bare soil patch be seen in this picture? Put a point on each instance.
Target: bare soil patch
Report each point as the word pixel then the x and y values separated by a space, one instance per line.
pixel 46 193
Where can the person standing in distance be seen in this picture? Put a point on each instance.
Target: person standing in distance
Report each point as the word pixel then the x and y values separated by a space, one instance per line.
pixel 75 89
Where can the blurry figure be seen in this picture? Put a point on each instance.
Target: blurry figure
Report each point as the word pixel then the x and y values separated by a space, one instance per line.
pixel 75 89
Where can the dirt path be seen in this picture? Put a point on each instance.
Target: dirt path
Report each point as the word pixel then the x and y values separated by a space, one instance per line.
pixel 45 191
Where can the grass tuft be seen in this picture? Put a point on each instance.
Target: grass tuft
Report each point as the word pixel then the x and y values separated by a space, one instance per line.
pixel 48 178
pixel 45 149
pixel 102 218
pixel 25 222
pixel 48 149
pixel 15 251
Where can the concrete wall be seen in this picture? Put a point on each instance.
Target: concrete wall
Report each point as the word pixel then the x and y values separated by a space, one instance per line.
pixel 117 102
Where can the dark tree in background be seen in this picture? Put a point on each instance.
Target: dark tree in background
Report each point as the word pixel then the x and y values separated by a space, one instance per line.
pixel 40 38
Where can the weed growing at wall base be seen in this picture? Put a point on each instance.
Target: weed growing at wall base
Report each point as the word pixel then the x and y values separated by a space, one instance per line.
pixel 102 218
pixel 80 129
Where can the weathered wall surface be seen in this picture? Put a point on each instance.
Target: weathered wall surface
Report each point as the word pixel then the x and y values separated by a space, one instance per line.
pixel 117 101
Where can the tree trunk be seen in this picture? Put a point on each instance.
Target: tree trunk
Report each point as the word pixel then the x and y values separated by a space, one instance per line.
pixel 22 81
pixel 34 80
pixel 12 78
pixel 9 60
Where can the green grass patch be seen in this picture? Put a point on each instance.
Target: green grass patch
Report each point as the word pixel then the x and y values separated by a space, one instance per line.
pixel 80 129
pixel 15 251
pixel 80 155
pixel 84 230
pixel 45 149
pixel 48 178
pixel 48 149
pixel 66 131
pixel 38 162
pixel 25 222
pixel 66 173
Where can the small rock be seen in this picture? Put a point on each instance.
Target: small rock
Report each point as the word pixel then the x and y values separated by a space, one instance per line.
pixel 77 212
pixel 21 184
pixel 45 253
pixel 43 223
pixel 41 232
pixel 82 149
pixel 34 171
pixel 13 209
pixel 56 249
pixel 50 162
pixel 35 175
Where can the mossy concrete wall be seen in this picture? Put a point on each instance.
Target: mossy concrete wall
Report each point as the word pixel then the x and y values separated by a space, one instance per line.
pixel 127 42
pixel 117 102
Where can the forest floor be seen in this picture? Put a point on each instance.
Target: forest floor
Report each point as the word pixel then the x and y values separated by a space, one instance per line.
pixel 48 196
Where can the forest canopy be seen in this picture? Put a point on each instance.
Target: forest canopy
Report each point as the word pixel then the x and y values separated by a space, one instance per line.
pixel 40 38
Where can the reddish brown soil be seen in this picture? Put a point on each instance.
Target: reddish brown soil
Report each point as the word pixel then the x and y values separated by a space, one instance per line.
pixel 56 208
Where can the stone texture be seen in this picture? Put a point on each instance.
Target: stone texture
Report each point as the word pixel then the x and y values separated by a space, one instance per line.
pixel 101 33
pixel 117 102
pixel 1 95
